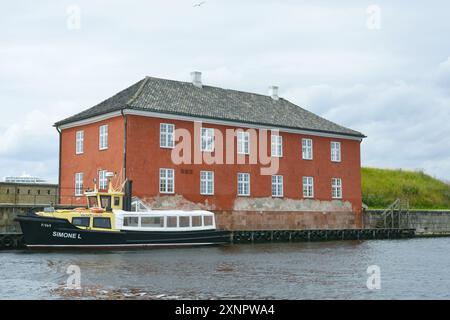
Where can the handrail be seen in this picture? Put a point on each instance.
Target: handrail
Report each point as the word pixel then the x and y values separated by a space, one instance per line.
pixel 396 206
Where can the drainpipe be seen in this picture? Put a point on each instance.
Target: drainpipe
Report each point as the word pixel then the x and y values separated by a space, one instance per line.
pixel 59 170
pixel 124 143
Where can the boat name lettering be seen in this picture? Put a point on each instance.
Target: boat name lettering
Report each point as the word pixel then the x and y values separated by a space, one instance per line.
pixel 66 235
pixel 46 225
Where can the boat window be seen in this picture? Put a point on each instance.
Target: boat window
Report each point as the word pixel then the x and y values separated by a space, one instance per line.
pixel 152 222
pixel 105 201
pixel 81 221
pixel 196 221
pixel 131 222
pixel 103 223
pixel 93 202
pixel 171 222
pixel 208 220
pixel 116 201
pixel 184 222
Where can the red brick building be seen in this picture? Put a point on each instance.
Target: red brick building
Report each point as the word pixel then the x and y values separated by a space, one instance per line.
pixel 187 145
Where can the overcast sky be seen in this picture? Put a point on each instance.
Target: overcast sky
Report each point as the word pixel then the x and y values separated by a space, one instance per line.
pixel 382 68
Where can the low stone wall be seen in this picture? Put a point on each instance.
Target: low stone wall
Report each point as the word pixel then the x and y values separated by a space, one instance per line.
pixel 425 222
pixel 285 220
pixel 7 216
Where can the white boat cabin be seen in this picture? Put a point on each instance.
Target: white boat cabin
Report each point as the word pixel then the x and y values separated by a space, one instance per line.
pixel 165 220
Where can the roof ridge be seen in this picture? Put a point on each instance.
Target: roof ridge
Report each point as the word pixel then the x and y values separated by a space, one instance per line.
pixel 214 87
pixel 138 92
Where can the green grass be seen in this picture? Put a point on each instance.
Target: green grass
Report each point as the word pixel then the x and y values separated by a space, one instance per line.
pixel 381 187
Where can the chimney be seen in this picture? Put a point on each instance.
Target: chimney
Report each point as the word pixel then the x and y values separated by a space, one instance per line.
pixel 196 78
pixel 273 92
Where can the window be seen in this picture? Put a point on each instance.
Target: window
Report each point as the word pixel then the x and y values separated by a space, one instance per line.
pixel 131 221
pixel 92 202
pixel 102 223
pixel 336 151
pixel 105 202
pixel 152 222
pixel 185 222
pixel 243 184
pixel 116 201
pixel 277 146
pixel 208 221
pixel 166 135
pixel 206 182
pixel 171 222
pixel 81 221
pixel 277 186
pixel 307 149
pixel 80 142
pixel 103 137
pixel 166 181
pixel 78 184
pixel 196 221
pixel 243 142
pixel 308 187
pixel 102 180
pixel 336 188
pixel 207 139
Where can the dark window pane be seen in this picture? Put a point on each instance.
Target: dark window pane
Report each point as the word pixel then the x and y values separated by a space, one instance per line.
pixel 105 201
pixel 81 221
pixel 208 221
pixel 171 222
pixel 104 223
pixel 131 222
pixel 196 221
pixel 184 222
pixel 152 222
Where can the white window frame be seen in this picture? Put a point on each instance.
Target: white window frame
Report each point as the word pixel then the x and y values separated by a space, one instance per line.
pixel 103 137
pixel 276 145
pixel 207 183
pixel 308 187
pixel 102 180
pixel 307 149
pixel 169 181
pixel 167 135
pixel 336 188
pixel 79 145
pixel 336 151
pixel 243 142
pixel 243 187
pixel 207 139
pixel 277 186
pixel 79 176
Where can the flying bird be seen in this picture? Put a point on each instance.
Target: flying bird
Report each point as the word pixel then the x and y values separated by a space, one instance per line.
pixel 199 4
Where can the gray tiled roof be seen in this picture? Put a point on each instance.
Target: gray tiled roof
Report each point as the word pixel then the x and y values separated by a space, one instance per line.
pixel 183 98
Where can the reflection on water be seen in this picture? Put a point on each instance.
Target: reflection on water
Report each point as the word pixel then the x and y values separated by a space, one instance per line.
pixel 410 269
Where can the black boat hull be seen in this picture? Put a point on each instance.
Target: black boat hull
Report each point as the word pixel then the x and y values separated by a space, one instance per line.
pixel 44 233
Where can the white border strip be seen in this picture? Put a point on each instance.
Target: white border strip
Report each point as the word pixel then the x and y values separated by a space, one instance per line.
pixel 152 114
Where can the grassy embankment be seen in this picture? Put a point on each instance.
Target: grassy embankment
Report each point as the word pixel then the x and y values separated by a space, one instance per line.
pixel 381 187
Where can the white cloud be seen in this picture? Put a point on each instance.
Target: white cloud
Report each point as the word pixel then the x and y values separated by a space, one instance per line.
pixel 392 84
